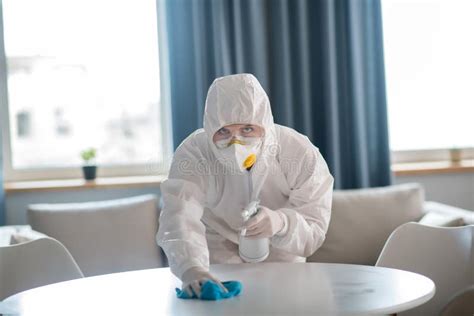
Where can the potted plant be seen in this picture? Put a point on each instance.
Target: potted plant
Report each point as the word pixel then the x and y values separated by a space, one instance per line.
pixel 89 168
pixel 455 154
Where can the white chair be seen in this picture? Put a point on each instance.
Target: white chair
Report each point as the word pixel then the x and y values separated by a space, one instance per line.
pixel 445 255
pixel 35 263
pixel 104 236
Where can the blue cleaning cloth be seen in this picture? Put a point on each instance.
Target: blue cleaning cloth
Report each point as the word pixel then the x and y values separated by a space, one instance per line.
pixel 210 291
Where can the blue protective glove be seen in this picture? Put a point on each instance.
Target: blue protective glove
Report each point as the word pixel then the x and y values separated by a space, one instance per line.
pixel 211 291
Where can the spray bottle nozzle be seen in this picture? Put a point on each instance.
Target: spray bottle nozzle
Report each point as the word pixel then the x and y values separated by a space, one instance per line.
pixel 248 212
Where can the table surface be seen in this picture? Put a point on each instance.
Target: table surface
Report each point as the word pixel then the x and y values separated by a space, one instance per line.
pixel 268 288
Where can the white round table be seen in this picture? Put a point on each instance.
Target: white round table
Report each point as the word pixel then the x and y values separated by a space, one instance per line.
pixel 268 289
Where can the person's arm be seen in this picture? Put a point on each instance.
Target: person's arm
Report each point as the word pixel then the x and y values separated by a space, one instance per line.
pixel 308 210
pixel 181 233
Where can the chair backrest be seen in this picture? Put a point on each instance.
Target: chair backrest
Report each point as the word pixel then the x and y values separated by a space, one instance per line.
pixel 443 254
pixel 104 236
pixel 35 263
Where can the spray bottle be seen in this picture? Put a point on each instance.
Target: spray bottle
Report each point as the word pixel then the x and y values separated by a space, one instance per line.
pixel 252 250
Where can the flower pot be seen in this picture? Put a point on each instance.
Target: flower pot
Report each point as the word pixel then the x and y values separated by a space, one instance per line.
pixel 455 155
pixel 89 172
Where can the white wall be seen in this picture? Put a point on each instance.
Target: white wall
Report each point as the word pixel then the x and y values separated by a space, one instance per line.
pixel 17 203
pixel 451 188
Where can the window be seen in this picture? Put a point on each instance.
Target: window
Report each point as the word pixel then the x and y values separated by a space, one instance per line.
pixel 429 72
pixel 82 74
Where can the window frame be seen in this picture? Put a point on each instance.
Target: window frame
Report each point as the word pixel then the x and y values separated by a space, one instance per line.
pixel 428 155
pixel 119 170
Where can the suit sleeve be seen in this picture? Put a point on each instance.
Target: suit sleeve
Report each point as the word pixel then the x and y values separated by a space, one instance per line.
pixel 308 210
pixel 181 233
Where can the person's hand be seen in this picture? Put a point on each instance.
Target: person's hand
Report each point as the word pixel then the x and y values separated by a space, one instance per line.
pixel 265 223
pixel 195 277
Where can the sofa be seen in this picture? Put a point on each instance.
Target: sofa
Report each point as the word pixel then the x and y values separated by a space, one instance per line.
pixel 104 236
pixel 363 219
pixel 361 222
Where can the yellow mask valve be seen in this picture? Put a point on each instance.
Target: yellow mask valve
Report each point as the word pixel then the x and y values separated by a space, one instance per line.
pixel 236 141
pixel 250 160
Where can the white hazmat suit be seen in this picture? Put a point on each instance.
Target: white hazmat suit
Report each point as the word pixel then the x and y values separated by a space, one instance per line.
pixel 202 201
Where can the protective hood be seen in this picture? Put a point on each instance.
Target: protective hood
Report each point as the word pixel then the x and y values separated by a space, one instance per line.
pixel 238 99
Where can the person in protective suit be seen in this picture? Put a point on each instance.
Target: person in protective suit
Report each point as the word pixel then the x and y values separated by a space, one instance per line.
pixel 241 156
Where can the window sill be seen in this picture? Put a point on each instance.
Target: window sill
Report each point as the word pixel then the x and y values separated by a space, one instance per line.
pixel 400 169
pixel 434 167
pixel 78 184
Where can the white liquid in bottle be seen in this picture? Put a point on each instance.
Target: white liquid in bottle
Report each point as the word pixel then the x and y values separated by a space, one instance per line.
pixel 252 250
